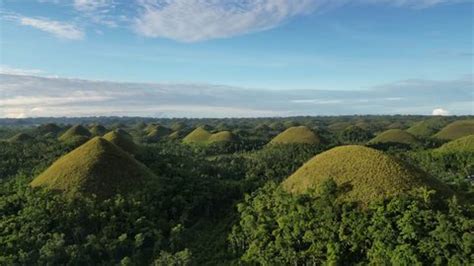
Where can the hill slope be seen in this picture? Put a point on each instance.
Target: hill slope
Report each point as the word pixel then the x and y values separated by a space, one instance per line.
pixel 427 128
pixel 300 134
pixel 364 174
pixel 456 130
pixel 75 134
pixel 199 135
pixel 394 136
pixel 464 144
pixel 20 137
pixel 96 167
pixel 124 141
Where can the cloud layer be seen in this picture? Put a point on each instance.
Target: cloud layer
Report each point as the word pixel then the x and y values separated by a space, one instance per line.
pixel 39 96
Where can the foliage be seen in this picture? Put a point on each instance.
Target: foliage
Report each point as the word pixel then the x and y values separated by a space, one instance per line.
pixel 456 129
pixel 394 136
pixel 300 134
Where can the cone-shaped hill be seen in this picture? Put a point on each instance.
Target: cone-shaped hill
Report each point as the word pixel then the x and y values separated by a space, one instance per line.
pixel 49 128
pixel 98 130
pixel 96 167
pixel 363 174
pixel 394 136
pixel 464 144
pixel 296 135
pixel 202 136
pixel 20 137
pixel 427 128
pixel 75 134
pixel 198 135
pixel 157 132
pixel 122 140
pixel 456 130
pixel 177 126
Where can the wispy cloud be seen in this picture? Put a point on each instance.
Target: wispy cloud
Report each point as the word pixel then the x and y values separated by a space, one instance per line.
pixel 18 71
pixel 41 96
pixel 60 29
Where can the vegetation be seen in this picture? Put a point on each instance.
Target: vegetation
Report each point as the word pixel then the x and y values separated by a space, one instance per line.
pixel 428 127
pixel 122 140
pixel 456 129
pixel 98 130
pixel 20 137
pixel 394 136
pixel 227 202
pixel 96 167
pixel 299 134
pixel 76 135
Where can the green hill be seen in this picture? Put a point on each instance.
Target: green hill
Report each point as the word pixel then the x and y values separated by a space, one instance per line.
pixel 427 128
pixel 457 129
pixel 157 132
pixel 98 130
pixel 122 140
pixel 397 136
pixel 20 137
pixel 222 136
pixel 177 126
pixel 199 135
pixel 300 134
pixel 338 126
pixel 464 144
pixel 76 134
pixel 96 167
pixel 49 128
pixel 363 174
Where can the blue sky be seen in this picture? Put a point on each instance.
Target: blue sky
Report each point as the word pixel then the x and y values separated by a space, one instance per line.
pixel 336 45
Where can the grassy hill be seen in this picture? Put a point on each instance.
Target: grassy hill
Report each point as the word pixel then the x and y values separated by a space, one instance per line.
pixel 96 167
pixel 156 132
pixel 124 141
pixel 75 134
pixel 300 134
pixel 222 136
pixel 98 130
pixel 20 137
pixel 427 128
pixel 464 144
pixel 199 135
pixel 457 129
pixel 49 128
pixel 364 174
pixel 394 136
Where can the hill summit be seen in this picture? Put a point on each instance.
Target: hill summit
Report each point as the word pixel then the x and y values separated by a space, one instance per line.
pixel 394 136
pixel 464 144
pixel 297 135
pixel 123 140
pixel 364 174
pixel 20 137
pixel 201 136
pixel 457 129
pixel 96 167
pixel 76 133
pixel 428 127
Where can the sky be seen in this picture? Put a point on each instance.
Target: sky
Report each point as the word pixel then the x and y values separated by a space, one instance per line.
pixel 211 58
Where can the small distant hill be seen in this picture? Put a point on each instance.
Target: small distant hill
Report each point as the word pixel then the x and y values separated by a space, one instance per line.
pixel 394 136
pixel 457 129
pixel 427 128
pixel 199 135
pixel 96 167
pixel 50 128
pixel 363 174
pixel 76 134
pixel 202 136
pixel 464 144
pixel 122 140
pixel 157 132
pixel 338 126
pixel 98 130
pixel 20 137
pixel 177 126
pixel 297 135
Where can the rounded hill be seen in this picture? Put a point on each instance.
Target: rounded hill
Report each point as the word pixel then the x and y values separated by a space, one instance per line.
pixel 124 141
pixel 363 174
pixel 464 144
pixel 96 167
pixel 75 133
pixel 222 136
pixel 397 136
pixel 199 135
pixel 98 130
pixel 297 135
pixel 49 128
pixel 457 129
pixel 427 128
pixel 20 137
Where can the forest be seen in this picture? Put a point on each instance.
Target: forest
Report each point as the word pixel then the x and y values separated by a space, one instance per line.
pixel 342 190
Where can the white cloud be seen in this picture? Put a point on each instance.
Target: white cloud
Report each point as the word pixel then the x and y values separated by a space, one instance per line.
pixel 91 5
pixel 199 20
pixel 440 111
pixel 59 29
pixel 4 69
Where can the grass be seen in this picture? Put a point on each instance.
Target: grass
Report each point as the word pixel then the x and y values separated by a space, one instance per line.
pixel 157 132
pixel 363 174
pixel 464 144
pixel 222 136
pixel 49 128
pixel 427 128
pixel 124 141
pixel 394 136
pixel 75 132
pixel 297 135
pixel 98 130
pixel 96 167
pixel 457 129
pixel 202 136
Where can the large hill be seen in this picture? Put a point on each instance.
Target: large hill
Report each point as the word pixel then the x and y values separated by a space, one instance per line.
pixel 457 129
pixel 297 135
pixel 96 167
pixel 364 174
